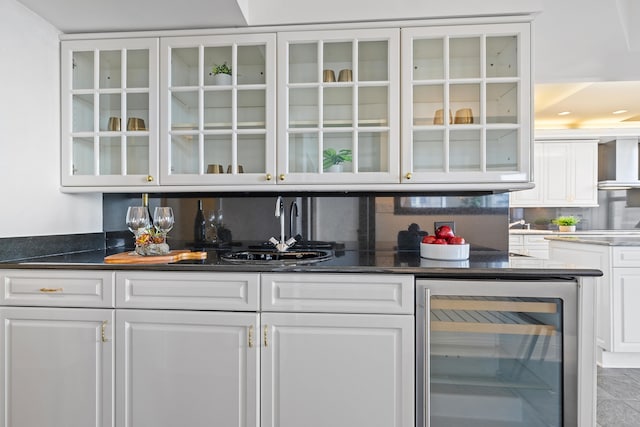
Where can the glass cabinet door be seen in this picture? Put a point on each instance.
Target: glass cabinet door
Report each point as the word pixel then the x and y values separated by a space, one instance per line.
pixel 218 115
pixel 338 106
pixel 109 112
pixel 466 96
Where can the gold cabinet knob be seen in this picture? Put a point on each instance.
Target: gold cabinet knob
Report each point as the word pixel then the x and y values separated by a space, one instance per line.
pixel 281 177
pixel 149 178
pixel 269 177
pixel 408 176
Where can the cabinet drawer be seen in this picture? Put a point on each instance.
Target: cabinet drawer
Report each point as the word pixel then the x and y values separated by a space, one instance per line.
pixel 189 291
pixel 338 293
pixel 626 256
pixel 57 288
pixel 535 240
pixel 516 239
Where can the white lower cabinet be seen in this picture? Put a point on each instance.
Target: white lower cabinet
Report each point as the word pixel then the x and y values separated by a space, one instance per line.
pixel 186 368
pixel 57 367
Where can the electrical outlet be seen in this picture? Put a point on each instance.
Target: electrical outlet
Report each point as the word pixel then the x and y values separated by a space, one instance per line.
pixel 451 224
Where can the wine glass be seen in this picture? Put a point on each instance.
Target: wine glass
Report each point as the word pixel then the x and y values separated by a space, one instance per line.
pixel 163 219
pixel 137 218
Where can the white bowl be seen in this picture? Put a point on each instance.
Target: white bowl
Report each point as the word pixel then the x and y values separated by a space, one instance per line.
pixel 444 252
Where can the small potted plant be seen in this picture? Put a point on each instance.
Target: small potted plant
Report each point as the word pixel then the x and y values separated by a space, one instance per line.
pixel 221 74
pixel 566 223
pixel 333 160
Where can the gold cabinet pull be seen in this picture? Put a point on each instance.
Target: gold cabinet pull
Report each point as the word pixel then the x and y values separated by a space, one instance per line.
pixel 250 337
pixel 50 290
pixel 408 176
pixel 281 177
pixel 149 178
pixel 269 177
pixel 265 335
pixel 103 328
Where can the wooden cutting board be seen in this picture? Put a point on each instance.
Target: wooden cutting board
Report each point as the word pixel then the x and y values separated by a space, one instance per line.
pixel 172 256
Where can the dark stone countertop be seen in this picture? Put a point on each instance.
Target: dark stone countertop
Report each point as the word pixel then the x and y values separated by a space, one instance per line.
pixel 482 264
pixel 612 240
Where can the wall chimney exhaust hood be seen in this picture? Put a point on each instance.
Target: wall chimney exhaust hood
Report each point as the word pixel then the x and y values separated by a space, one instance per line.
pixel 618 164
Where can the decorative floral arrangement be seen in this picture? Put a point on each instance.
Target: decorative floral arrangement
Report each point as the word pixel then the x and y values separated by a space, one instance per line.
pixel 150 241
pixel 221 69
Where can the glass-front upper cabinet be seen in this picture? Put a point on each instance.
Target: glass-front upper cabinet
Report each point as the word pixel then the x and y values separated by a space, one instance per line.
pixel 338 106
pixel 218 110
pixel 109 112
pixel 466 104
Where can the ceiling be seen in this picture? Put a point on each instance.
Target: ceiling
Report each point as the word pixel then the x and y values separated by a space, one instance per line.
pixel 586 63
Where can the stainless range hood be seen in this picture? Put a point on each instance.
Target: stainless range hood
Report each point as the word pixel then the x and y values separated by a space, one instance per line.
pixel 618 164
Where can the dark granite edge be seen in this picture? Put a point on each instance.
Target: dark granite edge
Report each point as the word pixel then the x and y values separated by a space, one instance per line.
pixel 22 248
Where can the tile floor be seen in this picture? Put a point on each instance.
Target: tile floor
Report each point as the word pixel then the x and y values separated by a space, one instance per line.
pixel 618 397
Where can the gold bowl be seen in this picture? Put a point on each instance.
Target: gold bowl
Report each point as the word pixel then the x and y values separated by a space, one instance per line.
pixel 464 116
pixel 438 118
pixel 135 123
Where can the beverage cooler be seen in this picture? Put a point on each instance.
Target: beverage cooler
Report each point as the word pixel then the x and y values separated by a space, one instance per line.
pixel 497 353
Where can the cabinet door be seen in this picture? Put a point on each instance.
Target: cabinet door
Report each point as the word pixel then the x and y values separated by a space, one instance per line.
pixel 109 112
pixel 626 320
pixel 337 370
pixel 218 128
pixel 466 94
pixel 534 196
pixel 179 368
pixel 338 106
pixel 584 166
pixel 56 367
pixel 556 174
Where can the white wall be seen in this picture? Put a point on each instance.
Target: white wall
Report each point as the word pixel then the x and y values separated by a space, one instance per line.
pixel 30 201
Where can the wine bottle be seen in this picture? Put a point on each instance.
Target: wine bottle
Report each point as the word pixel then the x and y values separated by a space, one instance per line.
pixel 200 225
pixel 145 203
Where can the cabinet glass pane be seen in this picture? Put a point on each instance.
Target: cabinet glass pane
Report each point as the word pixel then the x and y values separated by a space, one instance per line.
pixel 502 56
pixel 373 106
pixel 464 150
pixel 303 108
pixel 213 57
pixel 428 151
pixel 373 61
pixel 138 68
pixel 465 102
pixel 82 156
pixel 252 152
pixel 303 152
pixel 82 113
pixel 251 65
pixel 82 70
pixel 184 110
pixel 338 106
pixel 110 69
pixel 184 66
pixel 373 152
pixel 218 151
pixel 137 108
pixel 137 155
pixel 428 59
pixel 110 159
pixel 464 57
pixel 217 109
pixel 502 150
pixel 428 105
pixel 110 106
pixel 339 141
pixel 184 154
pixel 502 103
pixel 251 109
pixel 303 63
pixel 338 57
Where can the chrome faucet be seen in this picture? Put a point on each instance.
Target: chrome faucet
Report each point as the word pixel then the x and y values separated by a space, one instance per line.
pixel 519 222
pixel 281 245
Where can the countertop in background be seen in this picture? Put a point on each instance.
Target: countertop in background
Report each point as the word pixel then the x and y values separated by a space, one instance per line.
pixel 607 240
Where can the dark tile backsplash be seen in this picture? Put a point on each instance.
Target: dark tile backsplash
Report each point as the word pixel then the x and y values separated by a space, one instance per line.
pixel 18 248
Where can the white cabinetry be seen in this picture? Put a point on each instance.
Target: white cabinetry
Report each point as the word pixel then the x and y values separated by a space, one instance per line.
pixel 466 97
pixel 109 103
pixel 337 368
pixel 618 297
pixel 56 364
pixel 530 245
pixel 566 175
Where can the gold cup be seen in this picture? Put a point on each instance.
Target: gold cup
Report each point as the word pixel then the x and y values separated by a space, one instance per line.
pixel 438 118
pixel 215 169
pixel 328 76
pixel 230 169
pixel 464 116
pixel 135 123
pixel 114 124
pixel 345 75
